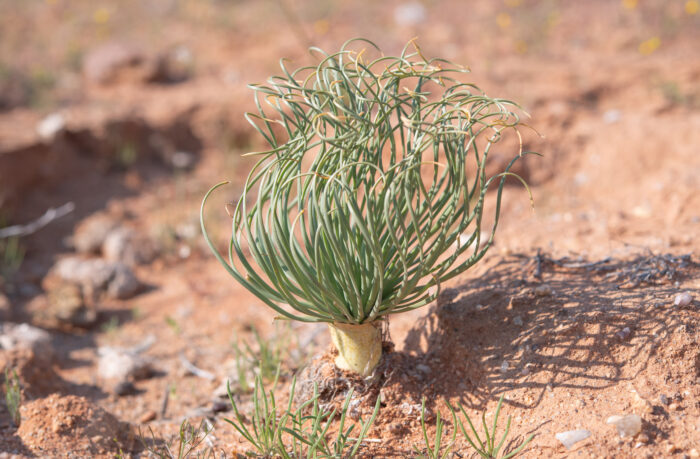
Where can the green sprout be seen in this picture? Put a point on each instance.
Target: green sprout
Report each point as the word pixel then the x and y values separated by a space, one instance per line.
pixel 13 396
pixel 302 432
pixel 433 452
pixel 372 193
pixel 187 444
pixel 488 448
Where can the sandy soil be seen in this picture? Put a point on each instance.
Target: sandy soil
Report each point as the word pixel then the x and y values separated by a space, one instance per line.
pixel 570 317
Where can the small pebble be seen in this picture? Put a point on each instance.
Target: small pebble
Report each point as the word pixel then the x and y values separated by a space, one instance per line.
pixel 683 299
pixel 663 399
pixel 627 426
pixel 517 320
pixel 674 407
pixel 525 371
pixel 694 453
pixel 219 406
pixel 423 368
pixel 148 416
pixel 624 333
pixel 504 366
pixel 50 126
pixel 543 290
pixel 571 437
pixel 124 388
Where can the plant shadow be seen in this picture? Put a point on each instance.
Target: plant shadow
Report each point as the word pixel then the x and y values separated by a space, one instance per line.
pixel 539 325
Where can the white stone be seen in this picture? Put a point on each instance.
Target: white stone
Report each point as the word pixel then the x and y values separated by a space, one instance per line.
pixel 683 299
pixel 99 275
pixel 571 437
pixel 627 426
pixel 24 336
pixel 410 13
pixel 119 365
pixel 50 126
pixel 543 290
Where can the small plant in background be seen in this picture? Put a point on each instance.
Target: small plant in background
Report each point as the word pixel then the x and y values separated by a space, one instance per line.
pixel 11 257
pixel 372 193
pixel 488 448
pixel 265 356
pixel 13 396
pixel 433 452
pixel 186 444
pixel 173 324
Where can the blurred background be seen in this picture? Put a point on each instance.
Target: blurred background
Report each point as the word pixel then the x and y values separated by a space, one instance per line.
pixel 102 100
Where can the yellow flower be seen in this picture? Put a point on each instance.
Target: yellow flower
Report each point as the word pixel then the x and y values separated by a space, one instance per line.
pixel 649 46
pixel 503 20
pixel 101 16
pixel 322 26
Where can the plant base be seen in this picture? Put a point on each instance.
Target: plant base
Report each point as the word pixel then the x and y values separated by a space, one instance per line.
pixel 359 346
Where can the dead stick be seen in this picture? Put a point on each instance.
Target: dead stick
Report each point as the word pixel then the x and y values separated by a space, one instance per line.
pixel 32 227
pixel 189 366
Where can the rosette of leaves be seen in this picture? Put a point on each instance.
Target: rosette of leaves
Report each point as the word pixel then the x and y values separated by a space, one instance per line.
pixel 372 193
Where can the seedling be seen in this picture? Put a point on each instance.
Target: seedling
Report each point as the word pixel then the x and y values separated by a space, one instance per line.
pixel 187 443
pixel 488 448
pixel 433 452
pixel 294 433
pixel 11 257
pixel 371 195
pixel 13 396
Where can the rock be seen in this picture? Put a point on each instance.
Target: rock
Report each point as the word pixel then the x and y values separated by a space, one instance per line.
pixel 571 437
pixel 91 233
pixel 114 61
pixel 220 406
pixel 663 399
pixel 182 160
pixel 623 334
pixel 24 336
pixel 119 365
pixel 148 416
pixel 504 366
pixel 694 453
pixel 51 126
pixel 409 14
pixel 67 425
pixel 642 405
pixel 543 290
pixel 423 368
pixel 627 426
pixel 97 276
pixel 93 273
pixel 126 246
pixel 67 306
pixel 124 284
pixel 123 388
pixel 683 299
pixel 517 320
pixel 674 406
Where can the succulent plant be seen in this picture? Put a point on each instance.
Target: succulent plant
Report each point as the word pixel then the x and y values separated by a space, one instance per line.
pixel 371 194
